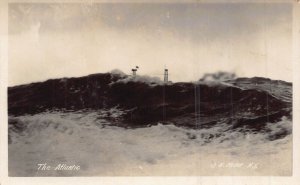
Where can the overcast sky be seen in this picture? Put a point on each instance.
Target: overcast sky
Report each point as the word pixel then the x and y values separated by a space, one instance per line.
pixel 67 40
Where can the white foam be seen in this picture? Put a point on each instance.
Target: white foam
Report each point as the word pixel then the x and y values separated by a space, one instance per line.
pixel 118 72
pixel 80 138
pixel 152 81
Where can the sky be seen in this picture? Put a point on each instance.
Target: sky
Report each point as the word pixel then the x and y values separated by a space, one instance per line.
pixel 190 39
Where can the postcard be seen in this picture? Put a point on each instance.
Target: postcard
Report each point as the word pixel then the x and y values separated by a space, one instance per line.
pixel 143 90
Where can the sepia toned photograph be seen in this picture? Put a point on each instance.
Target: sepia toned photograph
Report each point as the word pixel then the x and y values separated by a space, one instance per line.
pixel 150 89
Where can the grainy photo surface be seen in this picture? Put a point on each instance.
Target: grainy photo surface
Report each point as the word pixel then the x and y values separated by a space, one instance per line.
pixel 150 89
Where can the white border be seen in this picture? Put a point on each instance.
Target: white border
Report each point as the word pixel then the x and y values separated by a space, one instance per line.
pixel 203 180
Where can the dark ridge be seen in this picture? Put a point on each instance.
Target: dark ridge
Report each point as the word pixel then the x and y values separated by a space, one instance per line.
pixel 243 101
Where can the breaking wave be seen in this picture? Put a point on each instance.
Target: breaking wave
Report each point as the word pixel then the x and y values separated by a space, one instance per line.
pixel 111 124
pixel 88 140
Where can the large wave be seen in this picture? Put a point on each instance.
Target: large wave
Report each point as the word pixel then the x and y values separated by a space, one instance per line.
pixel 114 124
